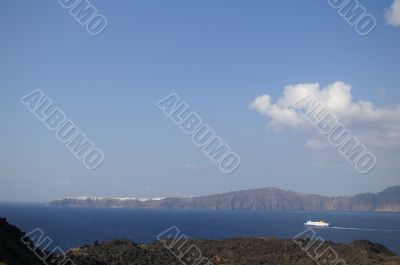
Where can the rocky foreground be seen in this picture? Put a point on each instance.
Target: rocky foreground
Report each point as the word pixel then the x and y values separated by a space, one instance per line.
pixel 237 251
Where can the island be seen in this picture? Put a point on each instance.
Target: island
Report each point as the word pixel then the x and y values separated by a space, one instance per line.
pixel 387 200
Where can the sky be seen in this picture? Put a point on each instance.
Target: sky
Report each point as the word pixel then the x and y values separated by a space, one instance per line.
pixel 237 64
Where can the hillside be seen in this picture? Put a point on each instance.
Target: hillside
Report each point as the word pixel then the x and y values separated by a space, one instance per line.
pixel 257 199
pixel 12 250
pixel 238 251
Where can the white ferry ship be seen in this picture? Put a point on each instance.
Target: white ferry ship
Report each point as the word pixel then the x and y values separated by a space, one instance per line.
pixel 317 224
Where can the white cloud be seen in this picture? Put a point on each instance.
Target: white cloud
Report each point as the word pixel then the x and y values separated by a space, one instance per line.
pixel 64 182
pixel 392 15
pixel 191 166
pixel 375 126
pixel 317 144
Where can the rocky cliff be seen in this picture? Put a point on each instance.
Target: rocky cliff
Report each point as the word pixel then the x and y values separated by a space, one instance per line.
pixel 257 199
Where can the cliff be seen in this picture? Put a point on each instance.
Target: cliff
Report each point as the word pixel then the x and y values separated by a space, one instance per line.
pixel 257 199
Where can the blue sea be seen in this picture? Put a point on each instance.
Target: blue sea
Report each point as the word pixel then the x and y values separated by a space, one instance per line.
pixel 72 227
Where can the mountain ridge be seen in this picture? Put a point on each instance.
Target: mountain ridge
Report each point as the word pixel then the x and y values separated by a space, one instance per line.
pixel 269 198
pixel 233 251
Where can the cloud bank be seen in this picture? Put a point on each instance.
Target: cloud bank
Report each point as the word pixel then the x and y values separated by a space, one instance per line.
pixel 392 15
pixel 378 127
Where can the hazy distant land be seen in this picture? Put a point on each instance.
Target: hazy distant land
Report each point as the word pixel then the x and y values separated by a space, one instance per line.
pixel 256 199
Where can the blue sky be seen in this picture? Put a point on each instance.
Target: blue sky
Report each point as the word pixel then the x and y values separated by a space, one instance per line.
pixel 218 56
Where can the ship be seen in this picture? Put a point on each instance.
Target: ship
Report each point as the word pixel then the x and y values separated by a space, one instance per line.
pixel 317 224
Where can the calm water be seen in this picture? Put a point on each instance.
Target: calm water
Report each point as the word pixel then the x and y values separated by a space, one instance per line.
pixel 70 227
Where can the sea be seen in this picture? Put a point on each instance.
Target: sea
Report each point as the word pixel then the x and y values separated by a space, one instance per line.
pixel 74 227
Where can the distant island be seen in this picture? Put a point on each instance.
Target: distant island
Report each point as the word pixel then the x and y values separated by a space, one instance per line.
pixel 256 199
pixel 235 251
